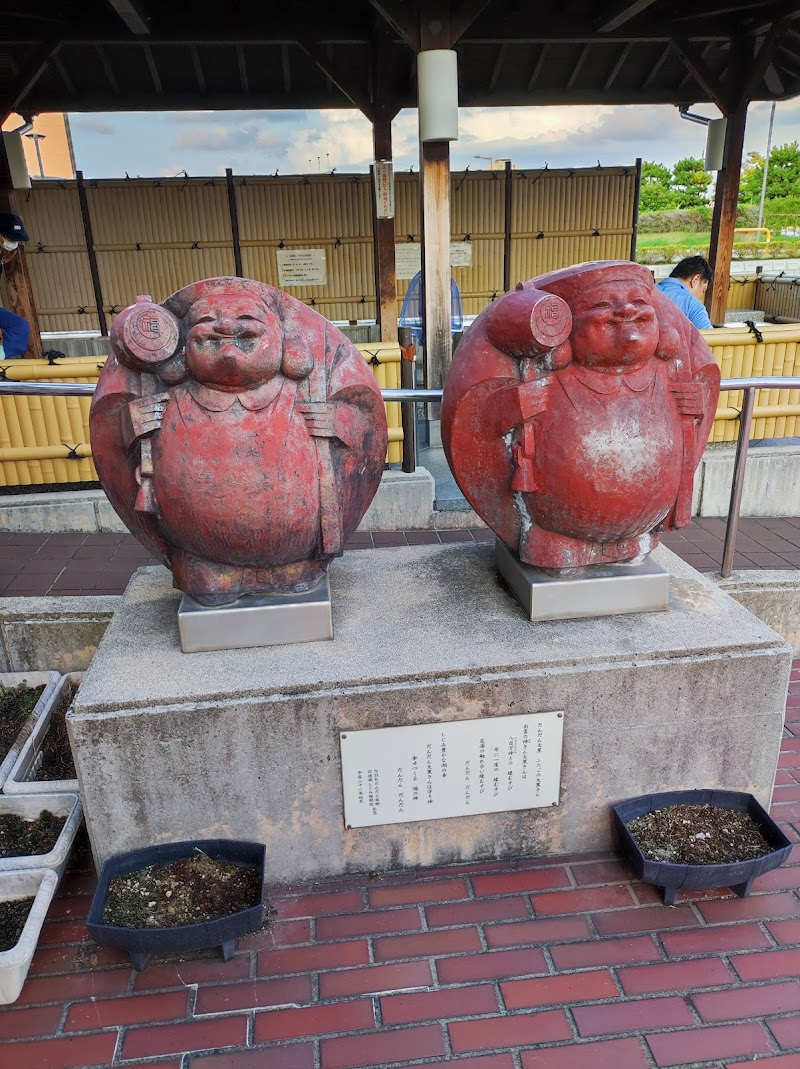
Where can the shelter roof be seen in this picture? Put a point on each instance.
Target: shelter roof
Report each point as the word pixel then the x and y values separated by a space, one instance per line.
pixel 115 55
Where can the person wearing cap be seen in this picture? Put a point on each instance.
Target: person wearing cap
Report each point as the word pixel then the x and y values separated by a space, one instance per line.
pixel 686 287
pixel 14 330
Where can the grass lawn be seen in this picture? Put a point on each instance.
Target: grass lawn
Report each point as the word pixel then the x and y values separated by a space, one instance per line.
pixel 694 240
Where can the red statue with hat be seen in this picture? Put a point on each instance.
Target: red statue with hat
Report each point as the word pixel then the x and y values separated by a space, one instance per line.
pixel 239 435
pixel 575 412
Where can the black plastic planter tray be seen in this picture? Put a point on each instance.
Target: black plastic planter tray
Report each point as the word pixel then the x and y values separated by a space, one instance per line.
pixel 142 943
pixel 738 876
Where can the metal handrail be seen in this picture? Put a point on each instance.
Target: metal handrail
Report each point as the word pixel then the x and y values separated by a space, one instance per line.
pixel 423 396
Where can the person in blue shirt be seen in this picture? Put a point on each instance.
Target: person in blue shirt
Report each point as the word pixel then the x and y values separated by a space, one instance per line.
pixel 14 330
pixel 687 286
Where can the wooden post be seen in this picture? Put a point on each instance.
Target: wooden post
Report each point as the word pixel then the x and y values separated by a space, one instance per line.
pixel 507 229
pixel 237 250
pixel 435 226
pixel 15 272
pixel 91 254
pixel 383 239
pixel 723 221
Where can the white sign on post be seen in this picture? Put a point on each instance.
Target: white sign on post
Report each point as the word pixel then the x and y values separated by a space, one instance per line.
pixel 302 267
pixel 384 189
pixel 454 769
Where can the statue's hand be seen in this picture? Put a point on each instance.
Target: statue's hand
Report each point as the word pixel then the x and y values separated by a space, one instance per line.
pixel 689 397
pixel 146 414
pixel 319 418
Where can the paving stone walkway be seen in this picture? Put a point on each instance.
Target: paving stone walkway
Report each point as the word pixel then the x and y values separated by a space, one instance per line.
pixel 37 564
pixel 536 963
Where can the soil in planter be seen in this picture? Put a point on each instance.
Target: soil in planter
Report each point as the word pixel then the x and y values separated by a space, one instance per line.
pixel 56 762
pixel 13 915
pixel 20 837
pixel 698 835
pixel 188 891
pixel 16 705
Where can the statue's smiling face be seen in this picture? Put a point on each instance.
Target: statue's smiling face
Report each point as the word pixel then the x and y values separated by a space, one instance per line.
pixel 614 325
pixel 233 342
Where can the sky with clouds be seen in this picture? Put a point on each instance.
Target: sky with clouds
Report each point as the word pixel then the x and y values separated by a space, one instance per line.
pixel 154 144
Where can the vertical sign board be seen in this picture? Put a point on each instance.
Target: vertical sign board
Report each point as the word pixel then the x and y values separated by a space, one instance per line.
pixel 302 267
pixel 384 189
pixel 454 769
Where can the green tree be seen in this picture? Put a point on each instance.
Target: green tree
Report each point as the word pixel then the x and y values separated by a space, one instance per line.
pixel 656 192
pixel 690 182
pixel 783 174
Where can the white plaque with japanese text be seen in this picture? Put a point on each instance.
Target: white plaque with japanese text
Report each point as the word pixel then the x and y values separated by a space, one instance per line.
pixel 429 771
pixel 408 257
pixel 302 267
pixel 384 189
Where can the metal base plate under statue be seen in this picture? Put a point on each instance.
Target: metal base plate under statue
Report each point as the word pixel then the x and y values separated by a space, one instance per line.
pixel 596 591
pixel 257 620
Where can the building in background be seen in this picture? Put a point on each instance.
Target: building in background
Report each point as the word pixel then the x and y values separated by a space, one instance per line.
pixel 54 144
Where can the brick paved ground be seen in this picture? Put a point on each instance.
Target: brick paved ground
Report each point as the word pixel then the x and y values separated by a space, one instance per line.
pixel 32 564
pixel 549 963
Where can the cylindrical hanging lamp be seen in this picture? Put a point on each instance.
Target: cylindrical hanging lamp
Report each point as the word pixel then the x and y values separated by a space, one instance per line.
pixel 437 86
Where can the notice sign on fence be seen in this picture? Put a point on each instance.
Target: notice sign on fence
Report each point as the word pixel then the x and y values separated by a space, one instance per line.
pixel 408 257
pixel 302 267
pixel 429 771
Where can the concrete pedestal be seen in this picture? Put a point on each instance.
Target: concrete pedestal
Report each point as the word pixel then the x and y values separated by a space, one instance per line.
pixel 245 743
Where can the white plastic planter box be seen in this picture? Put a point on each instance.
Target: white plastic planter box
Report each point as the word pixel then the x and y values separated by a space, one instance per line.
pixel 21 777
pixel 29 807
pixel 14 963
pixel 31 679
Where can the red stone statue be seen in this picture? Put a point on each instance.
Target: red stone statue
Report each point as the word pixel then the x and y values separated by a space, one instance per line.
pixel 239 435
pixel 575 412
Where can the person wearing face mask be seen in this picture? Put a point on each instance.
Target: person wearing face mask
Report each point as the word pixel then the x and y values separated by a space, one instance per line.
pixel 14 330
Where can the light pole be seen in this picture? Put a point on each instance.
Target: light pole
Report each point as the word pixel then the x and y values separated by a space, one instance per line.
pixel 489 158
pixel 36 138
pixel 766 168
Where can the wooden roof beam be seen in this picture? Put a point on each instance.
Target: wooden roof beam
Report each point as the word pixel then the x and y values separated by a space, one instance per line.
pixel 30 73
pixel 108 69
pixel 659 63
pixel 576 70
pixel 198 70
pixel 704 76
pixel 151 66
pixel 402 18
pixel 537 68
pixel 498 66
pixel 619 14
pixel 341 78
pixel 621 59
pixel 463 17
pixel 134 15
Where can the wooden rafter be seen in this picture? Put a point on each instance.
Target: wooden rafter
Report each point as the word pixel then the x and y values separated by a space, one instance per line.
pixel 28 75
pixel 498 66
pixel 241 61
pixel 64 75
pixel 621 60
pixel 287 73
pixel 619 14
pixel 198 70
pixel 107 69
pixel 151 66
pixel 133 14
pixel 537 67
pixel 401 18
pixel 341 78
pixel 704 76
pixel 463 17
pixel 576 70
pixel 659 63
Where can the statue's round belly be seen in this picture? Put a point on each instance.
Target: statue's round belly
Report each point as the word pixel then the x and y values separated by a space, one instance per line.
pixel 609 472
pixel 233 488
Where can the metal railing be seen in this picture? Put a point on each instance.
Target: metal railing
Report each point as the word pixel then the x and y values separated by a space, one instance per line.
pixel 408 397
